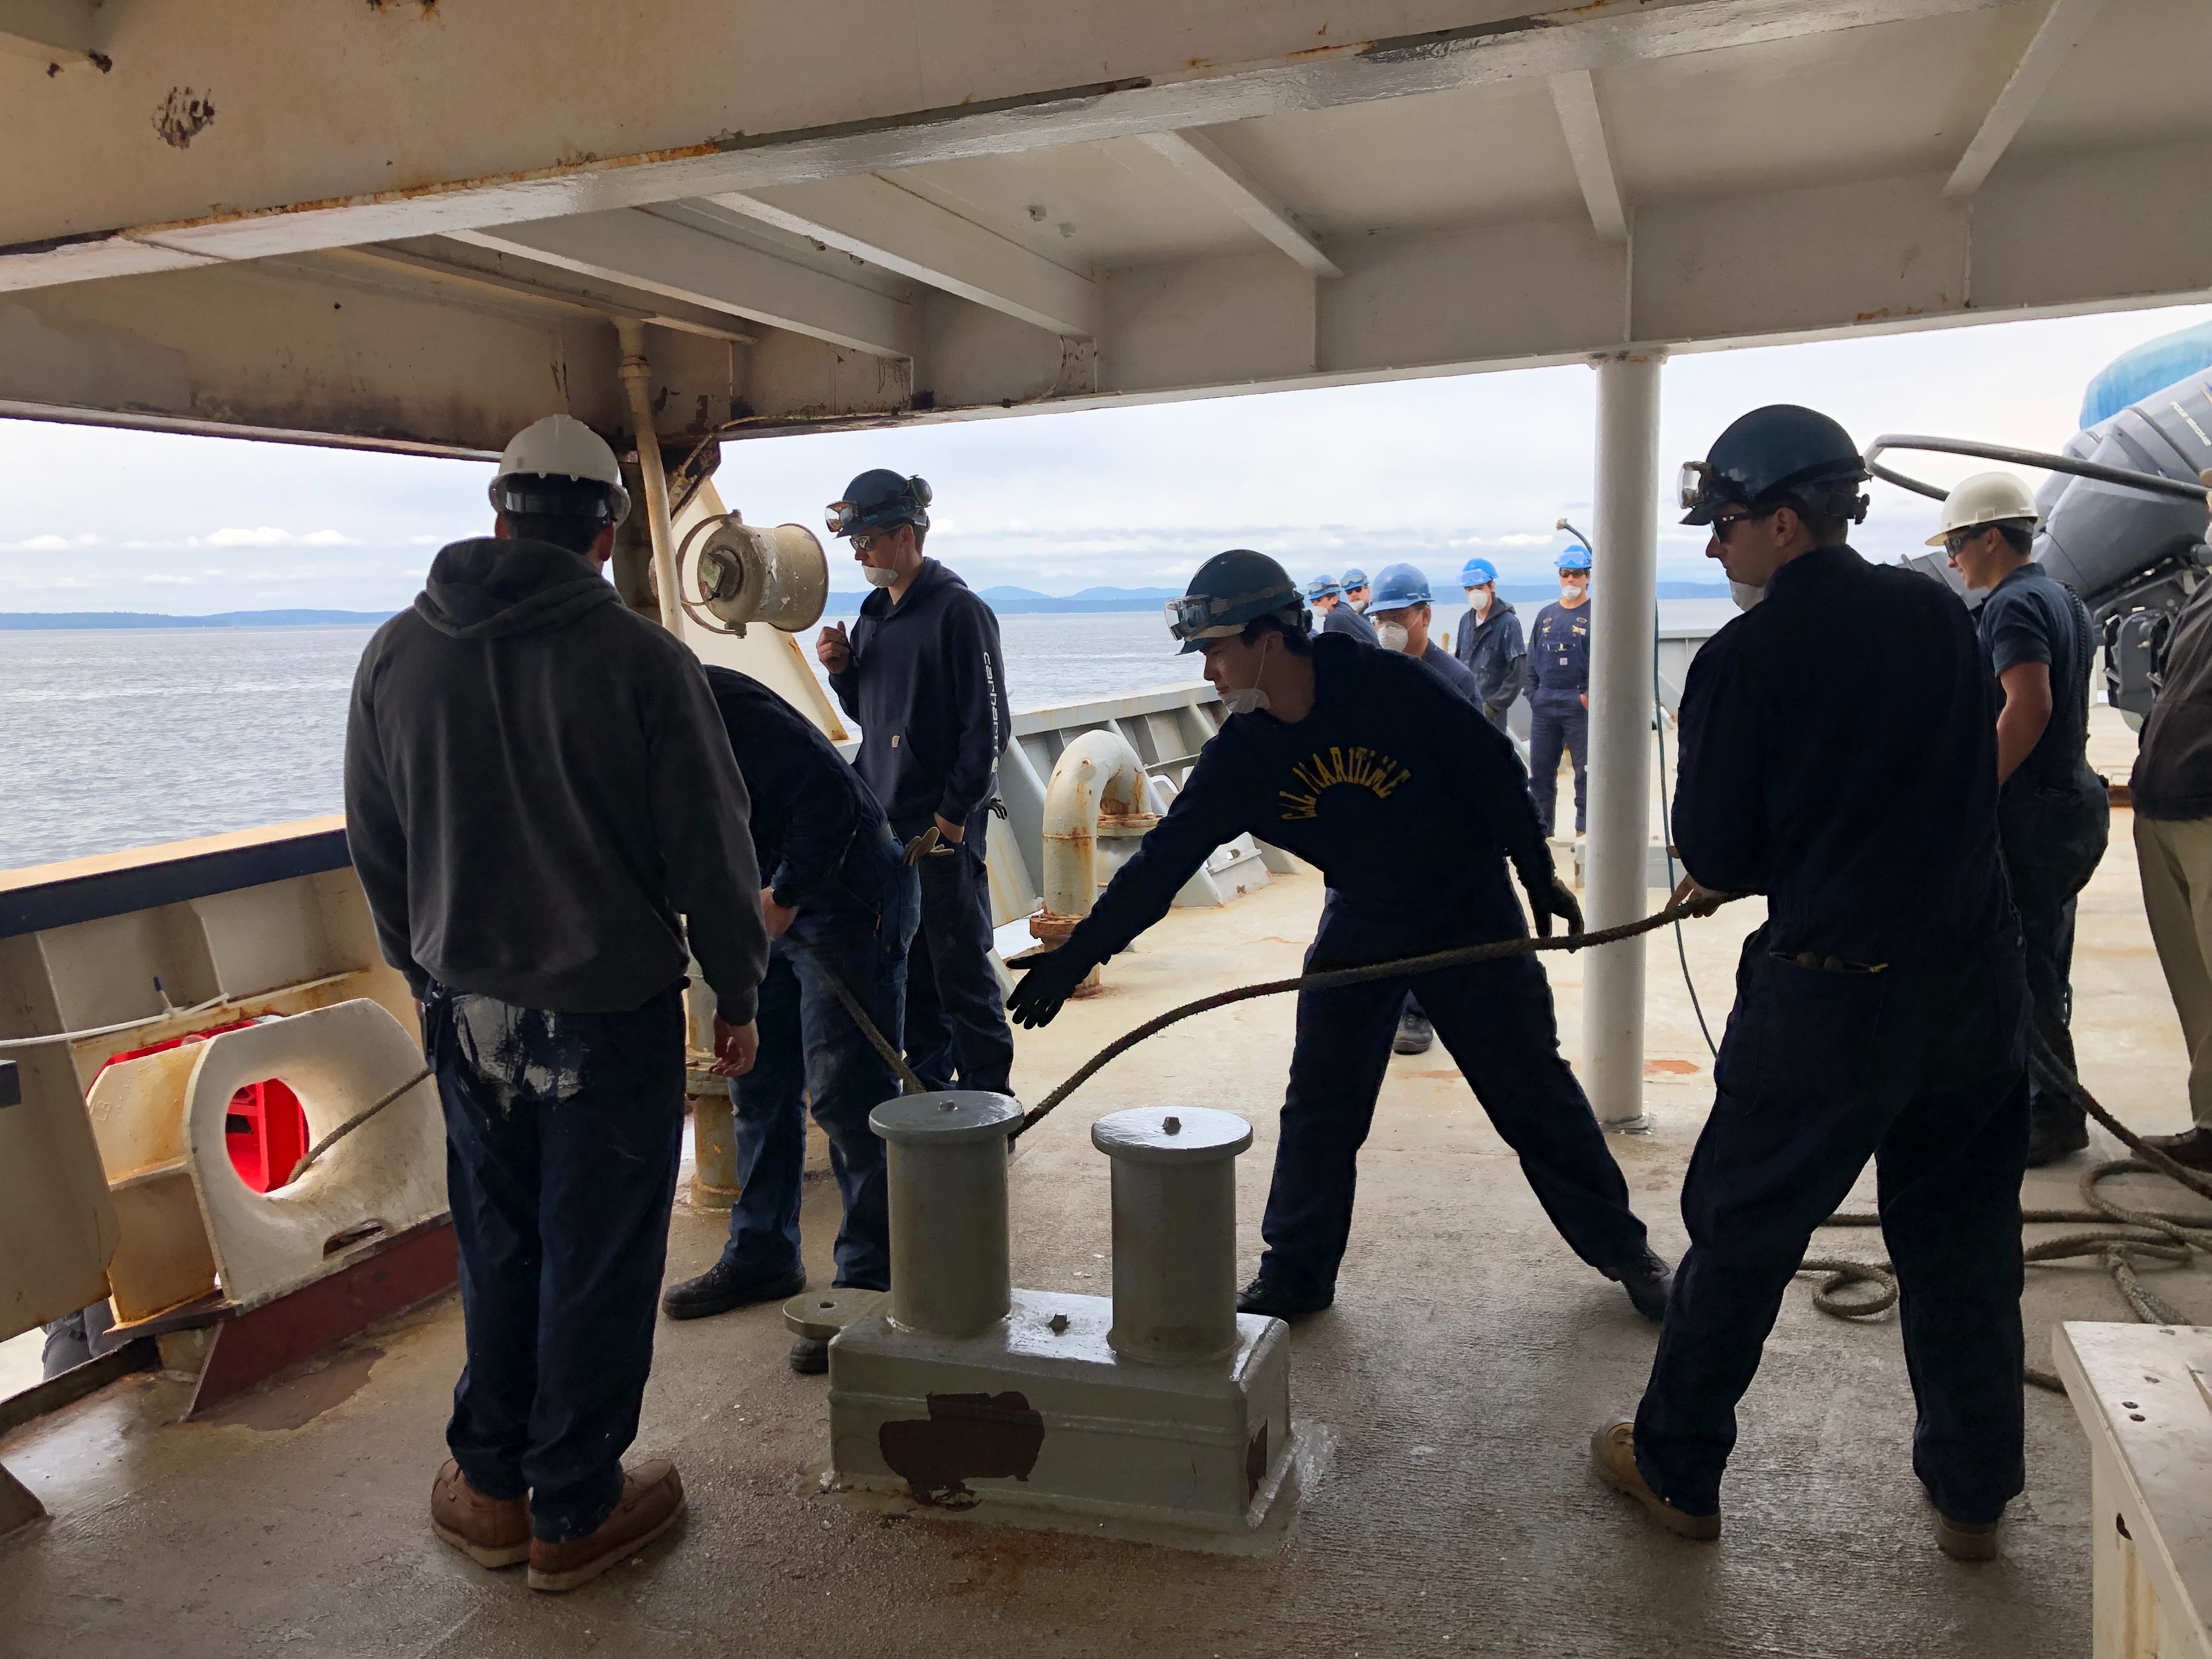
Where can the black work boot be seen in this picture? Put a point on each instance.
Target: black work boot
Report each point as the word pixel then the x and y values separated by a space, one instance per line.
pixel 2053 1133
pixel 1275 1300
pixel 1648 1281
pixel 725 1285
pixel 1415 1034
pixel 2192 1148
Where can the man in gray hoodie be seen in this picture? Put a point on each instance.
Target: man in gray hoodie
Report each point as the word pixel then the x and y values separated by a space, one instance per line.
pixel 544 809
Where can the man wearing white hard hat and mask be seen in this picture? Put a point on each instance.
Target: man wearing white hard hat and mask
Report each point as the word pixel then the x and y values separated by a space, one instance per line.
pixel 2053 812
pixel 545 812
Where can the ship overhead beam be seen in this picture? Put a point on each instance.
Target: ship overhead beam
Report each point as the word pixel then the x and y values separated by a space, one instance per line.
pixel 644 250
pixel 1574 95
pixel 1204 162
pixel 503 273
pixel 875 220
pixel 152 167
pixel 2062 30
pixel 58 33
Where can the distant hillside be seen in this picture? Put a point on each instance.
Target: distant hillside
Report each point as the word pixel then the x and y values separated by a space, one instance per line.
pixel 42 621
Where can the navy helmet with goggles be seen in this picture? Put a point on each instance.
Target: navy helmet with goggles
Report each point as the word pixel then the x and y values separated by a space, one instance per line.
pixel 1783 455
pixel 1229 590
pixel 880 497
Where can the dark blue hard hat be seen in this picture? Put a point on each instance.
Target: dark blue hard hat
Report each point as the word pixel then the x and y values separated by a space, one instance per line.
pixel 1577 557
pixel 1322 588
pixel 1782 454
pixel 880 496
pixel 1229 590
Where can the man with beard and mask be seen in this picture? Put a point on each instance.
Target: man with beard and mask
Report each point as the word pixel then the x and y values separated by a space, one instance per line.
pixel 1490 641
pixel 1558 689
pixel 1337 615
pixel 544 812
pixel 1839 756
pixel 1414 806
pixel 923 674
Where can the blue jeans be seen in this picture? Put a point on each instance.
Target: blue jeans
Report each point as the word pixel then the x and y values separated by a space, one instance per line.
pixel 811 1049
pixel 1557 721
pixel 1924 1073
pixel 562 1135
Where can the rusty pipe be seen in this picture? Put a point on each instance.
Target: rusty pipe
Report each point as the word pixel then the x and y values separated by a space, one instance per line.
pixel 636 373
pixel 1097 775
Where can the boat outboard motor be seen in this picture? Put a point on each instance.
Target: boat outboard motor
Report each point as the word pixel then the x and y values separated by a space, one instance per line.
pixel 2124 523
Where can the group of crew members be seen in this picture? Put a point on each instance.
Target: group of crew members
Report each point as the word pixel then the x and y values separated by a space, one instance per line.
pixel 555 813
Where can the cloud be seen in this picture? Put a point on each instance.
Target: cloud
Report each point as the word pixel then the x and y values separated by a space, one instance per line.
pixel 159 581
pixel 426 541
pixel 51 544
pixel 268 536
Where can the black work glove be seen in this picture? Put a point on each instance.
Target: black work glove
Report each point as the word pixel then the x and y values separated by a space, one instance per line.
pixel 1045 984
pixel 1549 898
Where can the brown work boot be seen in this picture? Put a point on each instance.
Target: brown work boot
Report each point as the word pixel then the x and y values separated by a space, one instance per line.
pixel 492 1532
pixel 1612 1455
pixel 1962 1542
pixel 2192 1148
pixel 651 1499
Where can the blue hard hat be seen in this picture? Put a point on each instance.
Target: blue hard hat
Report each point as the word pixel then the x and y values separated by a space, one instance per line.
pixel 1229 590
pixel 1396 587
pixel 1322 588
pixel 1575 558
pixel 1477 572
pixel 880 496
pixel 1781 454
pixel 1354 578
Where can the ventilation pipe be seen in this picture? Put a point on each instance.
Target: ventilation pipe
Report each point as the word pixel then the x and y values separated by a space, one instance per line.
pixel 1098 788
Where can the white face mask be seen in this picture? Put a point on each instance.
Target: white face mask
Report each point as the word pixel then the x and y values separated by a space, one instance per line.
pixel 1249 699
pixel 879 578
pixel 1745 594
pixel 1392 636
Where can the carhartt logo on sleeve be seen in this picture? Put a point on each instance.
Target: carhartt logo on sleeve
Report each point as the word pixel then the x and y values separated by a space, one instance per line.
pixel 1377 774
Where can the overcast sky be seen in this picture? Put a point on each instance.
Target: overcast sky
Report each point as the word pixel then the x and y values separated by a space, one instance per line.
pixel 1433 471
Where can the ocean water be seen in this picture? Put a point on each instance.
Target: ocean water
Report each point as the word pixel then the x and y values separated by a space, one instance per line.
pixel 114 740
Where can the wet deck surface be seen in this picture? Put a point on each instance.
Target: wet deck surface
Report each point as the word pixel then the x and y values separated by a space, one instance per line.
pixel 1466 1359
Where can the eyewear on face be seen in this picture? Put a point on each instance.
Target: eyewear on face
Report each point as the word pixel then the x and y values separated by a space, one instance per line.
pixel 1956 541
pixel 1723 526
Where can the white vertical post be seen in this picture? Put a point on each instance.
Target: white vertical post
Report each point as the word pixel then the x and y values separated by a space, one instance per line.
pixel 1625 610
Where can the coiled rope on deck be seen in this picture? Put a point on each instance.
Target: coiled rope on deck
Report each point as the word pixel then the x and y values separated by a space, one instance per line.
pixel 2156 1234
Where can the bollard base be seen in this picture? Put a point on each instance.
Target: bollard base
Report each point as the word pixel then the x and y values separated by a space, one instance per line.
pixel 1038 1418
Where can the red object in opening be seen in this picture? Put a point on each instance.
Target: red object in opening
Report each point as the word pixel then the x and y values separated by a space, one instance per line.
pixel 264 1130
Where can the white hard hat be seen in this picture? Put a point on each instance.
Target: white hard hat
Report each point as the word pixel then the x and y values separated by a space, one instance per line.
pixel 1985 498
pixel 559 446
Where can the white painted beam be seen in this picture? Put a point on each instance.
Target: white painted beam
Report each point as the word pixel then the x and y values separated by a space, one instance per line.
pixel 1574 95
pixel 53 31
pixel 873 219
pixel 1204 162
pixel 642 250
pixel 505 273
pixel 2060 32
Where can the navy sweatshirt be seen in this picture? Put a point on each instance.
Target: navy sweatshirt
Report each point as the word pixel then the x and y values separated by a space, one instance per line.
pixel 1343 619
pixel 1410 801
pixel 928 683
pixel 818 835
pixel 1494 652
pixel 1838 755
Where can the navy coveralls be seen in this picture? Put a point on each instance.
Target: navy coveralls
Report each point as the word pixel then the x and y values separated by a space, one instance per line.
pixel 1343 619
pixel 1838 755
pixel 1495 652
pixel 1411 803
pixel 1559 678
pixel 928 683
pixel 824 850
pixel 2054 814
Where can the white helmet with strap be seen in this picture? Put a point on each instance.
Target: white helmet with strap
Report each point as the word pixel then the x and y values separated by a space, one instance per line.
pixel 559 446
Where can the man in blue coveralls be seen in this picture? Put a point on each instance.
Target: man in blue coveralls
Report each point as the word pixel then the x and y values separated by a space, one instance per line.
pixel 1414 806
pixel 1490 643
pixel 1336 616
pixel 1838 755
pixel 838 900
pixel 1558 688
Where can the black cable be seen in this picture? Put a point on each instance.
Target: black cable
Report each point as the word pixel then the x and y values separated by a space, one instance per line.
pixel 1667 837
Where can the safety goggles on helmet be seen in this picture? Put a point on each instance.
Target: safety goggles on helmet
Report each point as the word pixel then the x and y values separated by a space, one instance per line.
pixel 1197 616
pixel 843 518
pixel 1705 492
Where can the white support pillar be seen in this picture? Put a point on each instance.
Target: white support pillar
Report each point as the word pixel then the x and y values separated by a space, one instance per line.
pixel 1621 658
